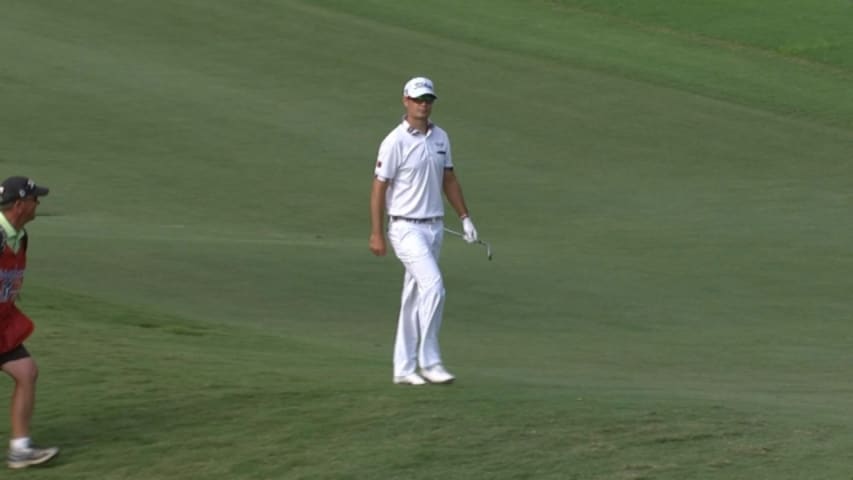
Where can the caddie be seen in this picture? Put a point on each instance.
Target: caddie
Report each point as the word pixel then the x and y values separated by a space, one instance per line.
pixel 19 198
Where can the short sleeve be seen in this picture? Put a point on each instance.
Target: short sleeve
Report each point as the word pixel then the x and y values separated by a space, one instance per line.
pixel 388 159
pixel 448 157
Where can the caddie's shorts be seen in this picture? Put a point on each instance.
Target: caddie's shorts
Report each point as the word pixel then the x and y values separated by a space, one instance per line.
pixel 16 353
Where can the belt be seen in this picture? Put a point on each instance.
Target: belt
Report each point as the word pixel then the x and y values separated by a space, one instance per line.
pixel 416 220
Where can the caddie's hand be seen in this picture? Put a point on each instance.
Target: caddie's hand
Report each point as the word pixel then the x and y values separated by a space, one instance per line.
pixel 377 244
pixel 470 232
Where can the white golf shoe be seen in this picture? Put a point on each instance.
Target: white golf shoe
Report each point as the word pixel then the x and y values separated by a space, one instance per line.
pixel 437 374
pixel 30 456
pixel 410 379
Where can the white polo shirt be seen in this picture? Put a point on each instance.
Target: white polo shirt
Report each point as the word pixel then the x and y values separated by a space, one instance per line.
pixel 413 164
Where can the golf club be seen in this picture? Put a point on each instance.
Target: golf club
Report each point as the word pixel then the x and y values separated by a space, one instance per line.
pixel 481 242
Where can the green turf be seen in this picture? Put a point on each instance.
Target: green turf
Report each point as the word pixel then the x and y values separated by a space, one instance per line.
pixel 667 197
pixel 816 31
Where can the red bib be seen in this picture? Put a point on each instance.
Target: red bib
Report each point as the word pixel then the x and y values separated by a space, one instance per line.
pixel 15 327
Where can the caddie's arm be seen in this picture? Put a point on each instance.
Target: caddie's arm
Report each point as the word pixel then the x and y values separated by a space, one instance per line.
pixel 377 208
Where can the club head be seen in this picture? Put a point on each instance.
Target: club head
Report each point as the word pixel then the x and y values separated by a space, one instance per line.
pixel 488 249
pixel 481 242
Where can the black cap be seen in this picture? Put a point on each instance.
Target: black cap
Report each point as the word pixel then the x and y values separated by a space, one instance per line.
pixel 16 188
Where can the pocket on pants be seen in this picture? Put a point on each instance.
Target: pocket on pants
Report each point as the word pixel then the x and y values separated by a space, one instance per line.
pixel 409 241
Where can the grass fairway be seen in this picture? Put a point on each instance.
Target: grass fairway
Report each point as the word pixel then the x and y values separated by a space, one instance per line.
pixel 668 199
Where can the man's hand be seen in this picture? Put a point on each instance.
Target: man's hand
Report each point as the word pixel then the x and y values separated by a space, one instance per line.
pixel 470 232
pixel 377 244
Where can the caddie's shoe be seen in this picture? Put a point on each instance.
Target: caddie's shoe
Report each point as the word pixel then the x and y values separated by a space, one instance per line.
pixel 437 374
pixel 410 379
pixel 30 456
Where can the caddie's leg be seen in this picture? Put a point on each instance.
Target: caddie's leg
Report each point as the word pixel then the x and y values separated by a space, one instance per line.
pixel 22 368
pixel 25 373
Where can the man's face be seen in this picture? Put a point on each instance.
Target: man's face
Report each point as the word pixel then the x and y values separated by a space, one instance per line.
pixel 418 108
pixel 27 208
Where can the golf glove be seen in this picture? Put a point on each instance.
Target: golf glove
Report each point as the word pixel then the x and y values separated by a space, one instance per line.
pixel 470 232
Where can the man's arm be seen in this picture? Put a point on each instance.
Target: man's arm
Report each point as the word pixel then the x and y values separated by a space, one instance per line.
pixel 453 192
pixel 377 208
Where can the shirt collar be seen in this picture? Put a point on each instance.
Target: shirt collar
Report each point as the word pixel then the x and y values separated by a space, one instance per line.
pixel 10 231
pixel 414 131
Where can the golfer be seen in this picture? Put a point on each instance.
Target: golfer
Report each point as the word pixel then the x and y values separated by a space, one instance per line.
pixel 19 197
pixel 413 168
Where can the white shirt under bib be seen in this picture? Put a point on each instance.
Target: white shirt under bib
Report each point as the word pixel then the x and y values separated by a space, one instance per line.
pixel 413 164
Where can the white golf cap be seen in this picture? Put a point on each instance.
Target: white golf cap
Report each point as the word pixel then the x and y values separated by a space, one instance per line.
pixel 418 87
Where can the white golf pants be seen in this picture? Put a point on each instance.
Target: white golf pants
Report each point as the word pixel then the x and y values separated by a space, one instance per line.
pixel 418 245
